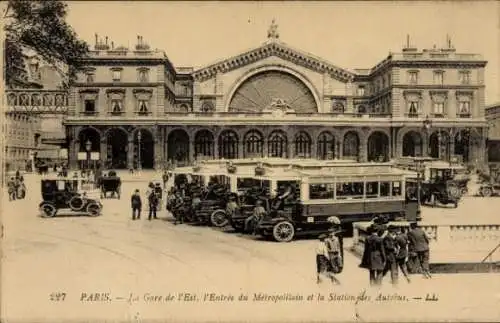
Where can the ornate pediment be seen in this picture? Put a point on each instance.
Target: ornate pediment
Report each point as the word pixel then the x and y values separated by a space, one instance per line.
pixel 278 49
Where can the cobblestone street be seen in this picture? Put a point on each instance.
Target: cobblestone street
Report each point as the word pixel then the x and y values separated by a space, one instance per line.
pixel 113 254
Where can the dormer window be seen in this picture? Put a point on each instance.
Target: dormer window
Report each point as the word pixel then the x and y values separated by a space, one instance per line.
pixel 143 75
pixel 361 90
pixel 438 77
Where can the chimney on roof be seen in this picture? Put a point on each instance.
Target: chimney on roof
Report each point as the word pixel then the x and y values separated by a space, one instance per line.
pixel 449 46
pixel 408 47
pixel 96 40
pixel 112 45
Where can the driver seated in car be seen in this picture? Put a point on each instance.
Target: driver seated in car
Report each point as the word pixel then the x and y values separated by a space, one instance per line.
pixel 258 214
pixel 232 206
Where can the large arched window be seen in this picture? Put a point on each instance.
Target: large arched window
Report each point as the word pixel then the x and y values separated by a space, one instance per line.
pixel 277 144
pixel 302 145
pixel 228 145
pixel 326 145
pixel 259 91
pixel 253 143
pixel 204 144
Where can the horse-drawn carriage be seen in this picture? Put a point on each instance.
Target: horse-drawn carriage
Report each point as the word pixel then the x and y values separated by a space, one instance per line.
pixel 110 183
pixel 66 193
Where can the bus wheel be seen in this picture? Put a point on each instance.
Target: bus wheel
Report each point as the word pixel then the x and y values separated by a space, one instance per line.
pixel 283 231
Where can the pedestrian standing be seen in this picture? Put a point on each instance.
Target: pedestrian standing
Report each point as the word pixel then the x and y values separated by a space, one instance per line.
pixel 164 178
pixel 178 208
pixel 153 204
pixel 390 250
pixel 323 264
pixel 11 184
pixel 373 256
pixel 402 255
pixel 420 244
pixel 136 205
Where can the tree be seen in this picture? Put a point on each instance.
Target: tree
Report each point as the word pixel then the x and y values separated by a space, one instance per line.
pixel 40 25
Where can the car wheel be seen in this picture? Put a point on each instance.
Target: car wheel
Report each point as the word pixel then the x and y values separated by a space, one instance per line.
pixel 93 209
pixel 486 192
pixel 464 191
pixel 48 210
pixel 76 203
pixel 219 219
pixel 283 231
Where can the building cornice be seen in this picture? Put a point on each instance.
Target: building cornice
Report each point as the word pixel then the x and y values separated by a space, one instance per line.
pixel 437 88
pixel 119 84
pixel 437 64
pixel 277 49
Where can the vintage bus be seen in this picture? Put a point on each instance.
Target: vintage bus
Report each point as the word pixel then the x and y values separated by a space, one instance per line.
pixel 353 193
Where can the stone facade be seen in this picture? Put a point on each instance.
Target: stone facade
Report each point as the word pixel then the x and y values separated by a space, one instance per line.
pixel 137 110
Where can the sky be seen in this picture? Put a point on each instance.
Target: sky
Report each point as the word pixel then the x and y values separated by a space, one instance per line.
pixel 348 34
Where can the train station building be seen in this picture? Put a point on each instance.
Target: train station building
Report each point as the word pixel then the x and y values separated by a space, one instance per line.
pixel 133 108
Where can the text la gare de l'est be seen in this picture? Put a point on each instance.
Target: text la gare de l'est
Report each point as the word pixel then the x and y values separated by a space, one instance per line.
pixel 255 297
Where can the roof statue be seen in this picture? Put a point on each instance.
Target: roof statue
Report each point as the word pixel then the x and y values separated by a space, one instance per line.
pixel 272 32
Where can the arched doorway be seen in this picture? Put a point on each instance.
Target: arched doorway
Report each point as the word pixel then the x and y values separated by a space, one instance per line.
pixel 302 145
pixel 326 145
pixel 461 146
pixel 253 142
pixel 90 143
pixel 277 144
pixel 351 145
pixel 378 147
pixel 228 145
pixel 144 149
pixel 117 148
pixel 412 144
pixel 178 146
pixel 204 144
pixel 438 144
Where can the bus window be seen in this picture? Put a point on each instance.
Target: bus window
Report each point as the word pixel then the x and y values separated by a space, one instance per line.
pixel 371 189
pixel 385 188
pixel 321 191
pixel 350 190
pixel 396 188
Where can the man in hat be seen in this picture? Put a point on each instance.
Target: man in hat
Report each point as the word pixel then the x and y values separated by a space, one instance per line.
pixel 402 254
pixel 390 249
pixel 419 242
pixel 258 214
pixel 136 205
pixel 374 256
pixel 232 206
pixel 334 247
pixel 323 264
pixel 178 208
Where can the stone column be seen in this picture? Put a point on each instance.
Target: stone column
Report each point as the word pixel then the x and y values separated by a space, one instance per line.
pixel 363 151
pixel 191 151
pixel 130 154
pixel 290 152
pixel 103 151
pixel 241 148
pixel 158 142
pixel 216 148
pixel 337 144
pixel 265 150
pixel 314 148
pixel 74 148
pixel 165 145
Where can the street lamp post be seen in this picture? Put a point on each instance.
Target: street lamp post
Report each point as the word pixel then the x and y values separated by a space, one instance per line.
pixel 427 126
pixel 139 163
pixel 88 147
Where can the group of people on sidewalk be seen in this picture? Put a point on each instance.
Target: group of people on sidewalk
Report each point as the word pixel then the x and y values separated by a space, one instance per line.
pixel 391 248
pixel 16 187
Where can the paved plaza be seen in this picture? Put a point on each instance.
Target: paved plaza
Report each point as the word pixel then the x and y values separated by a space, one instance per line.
pixel 113 254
